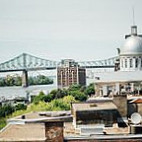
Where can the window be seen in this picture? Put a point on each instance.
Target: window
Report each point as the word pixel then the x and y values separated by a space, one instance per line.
pixel 125 63
pixel 131 63
pixel 136 62
pixel 141 62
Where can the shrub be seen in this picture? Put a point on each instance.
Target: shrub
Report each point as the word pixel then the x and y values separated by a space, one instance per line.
pixel 39 98
pixel 2 123
pixel 20 107
pixel 90 90
pixel 80 96
pixel 5 110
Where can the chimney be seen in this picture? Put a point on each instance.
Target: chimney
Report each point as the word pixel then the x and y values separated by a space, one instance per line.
pixel 54 131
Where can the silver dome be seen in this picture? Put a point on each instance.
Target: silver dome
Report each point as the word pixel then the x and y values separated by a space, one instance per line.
pixel 132 46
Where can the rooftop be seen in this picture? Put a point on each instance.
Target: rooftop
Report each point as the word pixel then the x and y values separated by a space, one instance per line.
pixel 94 106
pixel 26 132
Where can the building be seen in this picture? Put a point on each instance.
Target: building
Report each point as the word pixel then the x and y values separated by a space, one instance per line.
pixel 102 120
pixel 128 72
pixel 70 73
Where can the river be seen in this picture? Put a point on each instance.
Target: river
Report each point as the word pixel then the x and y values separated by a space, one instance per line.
pixel 19 91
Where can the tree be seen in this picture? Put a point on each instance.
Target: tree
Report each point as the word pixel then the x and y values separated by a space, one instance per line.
pixel 80 96
pixel 74 87
pixel 48 98
pixel 90 90
pixel 61 93
pixel 20 107
pixel 5 110
pixel 39 98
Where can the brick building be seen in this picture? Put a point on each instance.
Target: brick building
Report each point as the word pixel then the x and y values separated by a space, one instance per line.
pixel 70 73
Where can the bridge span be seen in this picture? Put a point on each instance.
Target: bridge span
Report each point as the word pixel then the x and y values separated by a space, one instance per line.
pixel 26 62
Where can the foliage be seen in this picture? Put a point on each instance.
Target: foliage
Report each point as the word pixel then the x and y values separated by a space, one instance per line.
pixel 90 90
pixel 11 80
pixel 16 80
pixel 54 105
pixel 8 110
pixel 59 93
pixel 2 123
pixel 74 87
pixel 39 80
pixel 48 98
pixel 5 110
pixel 39 98
pixel 20 107
pixel 80 96
pixel 79 92
pixel 41 106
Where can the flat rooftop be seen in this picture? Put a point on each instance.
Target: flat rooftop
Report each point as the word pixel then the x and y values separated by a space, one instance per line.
pixel 26 132
pixel 94 106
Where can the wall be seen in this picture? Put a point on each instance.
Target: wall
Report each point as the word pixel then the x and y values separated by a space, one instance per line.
pixel 121 102
pixel 106 117
pixel 54 131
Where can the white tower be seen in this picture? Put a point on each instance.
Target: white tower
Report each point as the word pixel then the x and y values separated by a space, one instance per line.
pixel 131 52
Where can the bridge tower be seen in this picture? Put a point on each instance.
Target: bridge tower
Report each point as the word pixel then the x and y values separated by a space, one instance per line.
pixel 25 78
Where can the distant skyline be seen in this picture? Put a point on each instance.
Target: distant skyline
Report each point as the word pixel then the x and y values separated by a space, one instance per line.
pixel 59 29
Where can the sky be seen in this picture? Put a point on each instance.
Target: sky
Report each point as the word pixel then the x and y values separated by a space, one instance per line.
pixel 83 30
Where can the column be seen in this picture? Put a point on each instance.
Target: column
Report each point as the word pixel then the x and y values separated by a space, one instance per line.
pixel 105 90
pixel 132 87
pixel 117 88
pixel 25 78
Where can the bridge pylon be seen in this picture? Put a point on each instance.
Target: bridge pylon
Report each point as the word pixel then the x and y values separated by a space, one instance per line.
pixel 25 78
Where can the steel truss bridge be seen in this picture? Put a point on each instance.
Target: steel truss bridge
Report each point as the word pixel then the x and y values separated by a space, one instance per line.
pixel 28 62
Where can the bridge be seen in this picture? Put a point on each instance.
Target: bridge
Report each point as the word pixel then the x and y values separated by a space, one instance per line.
pixel 26 62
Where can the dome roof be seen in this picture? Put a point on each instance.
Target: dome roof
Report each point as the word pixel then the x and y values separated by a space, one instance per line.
pixel 132 46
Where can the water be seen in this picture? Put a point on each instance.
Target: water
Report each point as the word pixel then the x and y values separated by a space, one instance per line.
pixel 12 92
pixel 19 91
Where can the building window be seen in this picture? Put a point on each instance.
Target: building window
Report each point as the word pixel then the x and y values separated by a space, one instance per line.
pixel 131 63
pixel 125 63
pixel 136 62
pixel 141 62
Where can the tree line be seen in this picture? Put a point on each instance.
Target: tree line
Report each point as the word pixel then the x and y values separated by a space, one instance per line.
pixel 80 93
pixel 16 80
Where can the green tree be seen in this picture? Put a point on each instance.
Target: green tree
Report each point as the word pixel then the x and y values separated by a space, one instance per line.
pixel 39 98
pixel 74 87
pixel 90 90
pixel 20 107
pixel 48 98
pixel 80 96
pixel 5 110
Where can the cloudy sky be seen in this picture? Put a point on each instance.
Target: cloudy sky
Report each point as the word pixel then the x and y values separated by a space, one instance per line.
pixel 58 29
